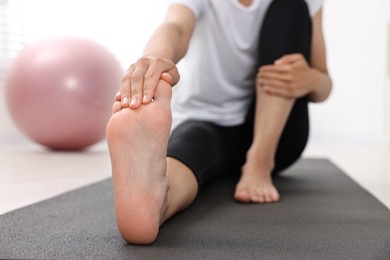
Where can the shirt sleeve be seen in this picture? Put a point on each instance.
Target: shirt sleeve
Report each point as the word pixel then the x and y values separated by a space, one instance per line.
pixel 196 6
pixel 314 6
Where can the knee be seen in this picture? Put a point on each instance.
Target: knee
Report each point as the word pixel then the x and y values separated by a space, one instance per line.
pixel 195 130
pixel 199 137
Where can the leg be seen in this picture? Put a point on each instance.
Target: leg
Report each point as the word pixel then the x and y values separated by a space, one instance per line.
pixel 203 147
pixel 255 184
pixel 183 188
pixel 148 188
pixel 286 29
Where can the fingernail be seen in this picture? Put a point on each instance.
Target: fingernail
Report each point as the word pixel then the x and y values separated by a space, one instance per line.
pixel 125 100
pixel 133 102
pixel 145 99
pixel 117 94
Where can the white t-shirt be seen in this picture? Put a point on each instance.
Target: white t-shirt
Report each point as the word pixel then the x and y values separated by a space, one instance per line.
pixel 218 72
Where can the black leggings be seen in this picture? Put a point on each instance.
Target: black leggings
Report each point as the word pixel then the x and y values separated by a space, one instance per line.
pixel 210 150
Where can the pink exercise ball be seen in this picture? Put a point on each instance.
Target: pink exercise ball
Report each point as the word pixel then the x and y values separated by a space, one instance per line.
pixel 60 91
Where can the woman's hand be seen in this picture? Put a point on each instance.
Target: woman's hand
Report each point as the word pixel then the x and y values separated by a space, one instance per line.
pixel 289 77
pixel 139 83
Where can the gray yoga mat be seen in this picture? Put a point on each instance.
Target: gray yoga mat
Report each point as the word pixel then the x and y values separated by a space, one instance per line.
pixel 323 214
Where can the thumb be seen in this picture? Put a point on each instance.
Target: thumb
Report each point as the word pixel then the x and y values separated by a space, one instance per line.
pixel 167 78
pixel 174 74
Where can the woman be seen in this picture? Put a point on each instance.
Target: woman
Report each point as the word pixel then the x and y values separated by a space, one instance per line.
pixel 241 105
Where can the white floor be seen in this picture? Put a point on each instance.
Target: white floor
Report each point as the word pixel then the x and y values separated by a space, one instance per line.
pixel 30 173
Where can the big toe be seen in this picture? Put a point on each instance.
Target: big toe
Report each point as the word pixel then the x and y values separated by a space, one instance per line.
pixel 242 196
pixel 163 91
pixel 117 106
pixel 275 196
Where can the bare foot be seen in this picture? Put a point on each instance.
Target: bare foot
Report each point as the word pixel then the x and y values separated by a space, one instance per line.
pixel 137 141
pixel 256 185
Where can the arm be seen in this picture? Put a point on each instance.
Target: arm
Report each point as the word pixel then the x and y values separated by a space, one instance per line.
pixel 171 39
pixel 292 77
pixel 322 86
pixel 165 48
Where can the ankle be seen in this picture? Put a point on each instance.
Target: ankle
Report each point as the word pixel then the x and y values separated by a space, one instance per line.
pixel 261 160
pixel 165 209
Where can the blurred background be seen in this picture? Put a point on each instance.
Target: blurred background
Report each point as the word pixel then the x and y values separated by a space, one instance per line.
pixel 352 128
pixel 121 26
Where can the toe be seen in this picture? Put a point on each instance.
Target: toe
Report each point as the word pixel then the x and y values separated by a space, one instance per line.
pixel 257 198
pixel 269 198
pixel 275 197
pixel 117 106
pixel 242 196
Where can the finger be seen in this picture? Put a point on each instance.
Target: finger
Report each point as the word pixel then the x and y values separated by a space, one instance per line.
pixel 274 75
pixel 137 84
pixel 174 73
pixel 289 58
pixel 152 77
pixel 274 83
pixel 167 78
pixel 281 92
pixel 124 88
pixel 283 68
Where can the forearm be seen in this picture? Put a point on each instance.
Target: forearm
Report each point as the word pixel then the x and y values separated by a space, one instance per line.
pixel 321 86
pixel 167 42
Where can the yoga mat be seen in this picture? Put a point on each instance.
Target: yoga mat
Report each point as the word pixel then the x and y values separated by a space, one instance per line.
pixel 323 214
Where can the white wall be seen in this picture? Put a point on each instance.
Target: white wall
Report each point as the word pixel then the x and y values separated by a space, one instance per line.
pixel 356 36
pixel 356 33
